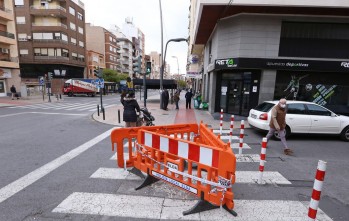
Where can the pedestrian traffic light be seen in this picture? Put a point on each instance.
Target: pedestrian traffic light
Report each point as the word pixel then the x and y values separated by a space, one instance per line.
pixel 50 75
pixel 97 72
pixel 148 67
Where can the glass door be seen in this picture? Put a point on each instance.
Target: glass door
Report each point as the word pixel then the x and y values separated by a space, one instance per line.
pixel 235 96
pixel 2 88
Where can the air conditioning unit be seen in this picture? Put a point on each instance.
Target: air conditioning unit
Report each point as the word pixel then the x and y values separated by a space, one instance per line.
pixel 29 37
pixel 4 50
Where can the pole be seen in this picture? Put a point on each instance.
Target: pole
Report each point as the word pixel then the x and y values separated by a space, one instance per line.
pixel 100 92
pixel 262 160
pixel 145 89
pixel 49 91
pixel 119 115
pixel 242 132
pixel 162 56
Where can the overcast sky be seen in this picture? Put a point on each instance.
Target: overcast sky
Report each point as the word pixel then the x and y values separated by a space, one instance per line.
pixel 146 16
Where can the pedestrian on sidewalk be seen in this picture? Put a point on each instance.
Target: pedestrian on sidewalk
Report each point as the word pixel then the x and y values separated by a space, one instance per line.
pixel 165 98
pixel 122 97
pixel 130 108
pixel 278 123
pixel 13 92
pixel 188 97
pixel 176 98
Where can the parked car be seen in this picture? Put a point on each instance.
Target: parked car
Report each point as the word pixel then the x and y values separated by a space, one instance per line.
pixel 302 117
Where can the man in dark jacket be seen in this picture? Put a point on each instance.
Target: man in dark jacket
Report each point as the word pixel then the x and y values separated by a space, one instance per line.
pixel 188 97
pixel 13 92
pixel 130 107
pixel 165 98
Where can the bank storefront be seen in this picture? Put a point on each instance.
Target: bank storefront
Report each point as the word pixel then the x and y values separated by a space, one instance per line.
pixel 323 82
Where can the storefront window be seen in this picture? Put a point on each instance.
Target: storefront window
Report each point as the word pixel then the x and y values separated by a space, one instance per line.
pixel 327 89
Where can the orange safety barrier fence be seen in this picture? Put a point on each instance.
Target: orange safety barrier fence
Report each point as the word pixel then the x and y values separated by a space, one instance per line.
pixel 120 136
pixel 212 179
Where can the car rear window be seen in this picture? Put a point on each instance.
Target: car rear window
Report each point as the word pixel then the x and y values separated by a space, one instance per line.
pixel 264 107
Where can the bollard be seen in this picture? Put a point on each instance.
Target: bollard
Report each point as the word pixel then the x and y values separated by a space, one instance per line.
pixel 242 131
pixel 60 96
pixel 315 196
pixel 221 123
pixel 103 111
pixel 262 160
pixel 119 116
pixel 231 128
pixel 98 110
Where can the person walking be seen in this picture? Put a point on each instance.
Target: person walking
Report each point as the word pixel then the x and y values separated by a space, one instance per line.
pixel 165 98
pixel 13 92
pixel 130 108
pixel 176 98
pixel 188 97
pixel 278 123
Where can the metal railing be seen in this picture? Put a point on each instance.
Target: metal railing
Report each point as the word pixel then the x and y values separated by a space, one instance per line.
pixel 51 24
pixel 50 41
pixel 7 34
pixel 38 57
pixel 36 7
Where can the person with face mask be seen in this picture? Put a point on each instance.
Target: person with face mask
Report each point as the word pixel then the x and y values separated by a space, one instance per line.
pixel 278 123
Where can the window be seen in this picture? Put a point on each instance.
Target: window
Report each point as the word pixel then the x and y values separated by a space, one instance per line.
pixel 51 52
pixel 72 26
pixel 23 51
pixel 22 37
pixel 19 3
pixel 47 36
pixel 20 20
pixel 81 44
pixel 81 30
pixel 80 17
pixel 65 53
pixel 317 110
pixel 57 36
pixel 74 56
pixel 64 37
pixel 81 57
pixel 110 48
pixel 72 11
pixel 73 41
pixel 37 52
pixel 110 38
pixel 295 109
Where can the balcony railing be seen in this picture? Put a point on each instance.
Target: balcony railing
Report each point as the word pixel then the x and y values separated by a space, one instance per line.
pixel 48 8
pixel 50 41
pixel 7 34
pixel 37 57
pixel 51 24
pixel 6 10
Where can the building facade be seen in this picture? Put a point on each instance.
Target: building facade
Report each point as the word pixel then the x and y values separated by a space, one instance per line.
pixel 9 66
pixel 102 41
pixel 51 38
pixel 125 61
pixel 155 58
pixel 94 59
pixel 252 51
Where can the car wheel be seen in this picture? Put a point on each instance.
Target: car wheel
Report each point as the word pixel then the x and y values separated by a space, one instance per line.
pixel 70 94
pixel 345 134
pixel 287 131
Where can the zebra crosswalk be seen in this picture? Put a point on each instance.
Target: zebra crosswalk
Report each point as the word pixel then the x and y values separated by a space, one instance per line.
pixel 158 207
pixel 61 106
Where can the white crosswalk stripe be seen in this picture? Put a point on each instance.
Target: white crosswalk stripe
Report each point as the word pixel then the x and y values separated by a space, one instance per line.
pixel 62 106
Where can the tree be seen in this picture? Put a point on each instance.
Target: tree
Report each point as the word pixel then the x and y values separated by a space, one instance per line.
pixel 113 76
pixel 182 84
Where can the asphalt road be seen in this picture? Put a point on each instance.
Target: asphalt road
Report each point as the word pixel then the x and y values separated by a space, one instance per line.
pixel 48 156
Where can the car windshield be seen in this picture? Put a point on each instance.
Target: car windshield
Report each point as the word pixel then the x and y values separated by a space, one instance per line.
pixel 264 107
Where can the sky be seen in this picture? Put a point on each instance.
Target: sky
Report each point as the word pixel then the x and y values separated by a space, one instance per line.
pixel 146 16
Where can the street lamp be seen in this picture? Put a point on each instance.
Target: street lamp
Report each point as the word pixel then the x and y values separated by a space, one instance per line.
pixel 177 64
pixel 162 66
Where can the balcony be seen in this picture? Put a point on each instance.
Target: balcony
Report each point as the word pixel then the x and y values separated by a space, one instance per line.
pixel 55 11
pixel 126 55
pixel 59 25
pixel 50 41
pixel 8 62
pixel 7 38
pixel 6 14
pixel 60 58
pixel 125 47
pixel 125 62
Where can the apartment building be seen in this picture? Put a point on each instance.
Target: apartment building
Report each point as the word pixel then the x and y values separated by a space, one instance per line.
pixel 155 58
pixel 125 61
pixel 252 51
pixel 94 59
pixel 51 38
pixel 9 66
pixel 102 41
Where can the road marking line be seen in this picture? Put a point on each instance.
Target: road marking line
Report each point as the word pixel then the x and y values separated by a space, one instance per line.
pixel 57 113
pixel 249 158
pixel 223 131
pixel 227 137
pixel 23 182
pixel 236 146
pixel 269 177
pixel 114 174
pixel 10 115
pixel 159 208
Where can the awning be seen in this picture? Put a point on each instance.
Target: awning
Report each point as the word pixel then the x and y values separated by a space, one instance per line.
pixel 155 83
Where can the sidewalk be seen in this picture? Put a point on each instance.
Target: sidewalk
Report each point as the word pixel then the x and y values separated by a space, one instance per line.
pixel 163 117
pixel 8 102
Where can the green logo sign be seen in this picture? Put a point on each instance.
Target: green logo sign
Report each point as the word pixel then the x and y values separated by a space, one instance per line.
pixel 230 61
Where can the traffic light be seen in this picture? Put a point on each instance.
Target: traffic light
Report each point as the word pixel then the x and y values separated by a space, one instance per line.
pixel 148 67
pixel 97 72
pixel 50 75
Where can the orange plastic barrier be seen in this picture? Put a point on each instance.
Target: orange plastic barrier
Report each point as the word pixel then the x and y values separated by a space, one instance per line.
pixel 212 179
pixel 120 136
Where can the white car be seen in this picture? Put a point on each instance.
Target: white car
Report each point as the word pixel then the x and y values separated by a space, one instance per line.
pixel 302 117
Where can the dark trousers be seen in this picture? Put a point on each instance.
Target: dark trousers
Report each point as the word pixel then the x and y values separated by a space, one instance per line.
pixel 177 107
pixel 188 104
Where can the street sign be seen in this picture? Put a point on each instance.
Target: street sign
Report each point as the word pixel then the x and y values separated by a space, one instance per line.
pixel 99 83
pixel 41 81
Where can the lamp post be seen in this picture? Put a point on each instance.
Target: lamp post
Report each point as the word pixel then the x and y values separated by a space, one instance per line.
pixel 177 64
pixel 163 64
